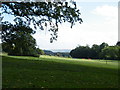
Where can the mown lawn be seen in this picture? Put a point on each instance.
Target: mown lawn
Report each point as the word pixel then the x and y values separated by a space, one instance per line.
pixel 56 72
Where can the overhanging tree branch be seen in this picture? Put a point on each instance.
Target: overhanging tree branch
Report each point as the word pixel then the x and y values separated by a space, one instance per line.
pixel 49 14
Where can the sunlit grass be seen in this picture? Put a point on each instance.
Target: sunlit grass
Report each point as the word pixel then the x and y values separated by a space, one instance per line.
pixel 58 72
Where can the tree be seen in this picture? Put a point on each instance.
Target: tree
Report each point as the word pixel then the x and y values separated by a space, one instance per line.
pixel 43 14
pixel 17 39
pixel 103 45
pixel 81 52
pixel 118 43
pixel 39 14
pixel 95 51
pixel 86 52
pixel 110 52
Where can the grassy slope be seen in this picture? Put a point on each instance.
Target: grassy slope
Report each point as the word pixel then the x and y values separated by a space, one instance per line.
pixel 55 72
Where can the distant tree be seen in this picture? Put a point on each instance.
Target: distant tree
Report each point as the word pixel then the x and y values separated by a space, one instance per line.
pixel 118 43
pixel 95 51
pixel 103 45
pixel 102 51
pixel 110 52
pixel 87 52
pixel 81 52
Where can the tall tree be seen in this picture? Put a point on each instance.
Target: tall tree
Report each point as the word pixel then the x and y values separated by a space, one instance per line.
pixel 17 39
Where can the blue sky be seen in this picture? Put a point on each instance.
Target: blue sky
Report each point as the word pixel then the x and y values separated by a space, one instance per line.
pixel 100 24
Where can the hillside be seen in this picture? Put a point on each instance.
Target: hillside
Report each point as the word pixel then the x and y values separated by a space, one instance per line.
pixel 56 72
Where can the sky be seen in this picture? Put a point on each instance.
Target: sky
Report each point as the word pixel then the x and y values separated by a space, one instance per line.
pixel 100 24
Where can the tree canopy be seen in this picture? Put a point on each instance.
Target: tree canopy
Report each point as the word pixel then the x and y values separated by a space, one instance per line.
pixel 43 14
pixel 17 37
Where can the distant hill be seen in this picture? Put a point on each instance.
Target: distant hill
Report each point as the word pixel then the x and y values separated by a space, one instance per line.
pixel 48 52
pixel 61 50
pixel 61 53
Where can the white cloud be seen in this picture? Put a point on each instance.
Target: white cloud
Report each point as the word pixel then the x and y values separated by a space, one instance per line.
pixel 106 10
pixel 94 32
pixel 109 27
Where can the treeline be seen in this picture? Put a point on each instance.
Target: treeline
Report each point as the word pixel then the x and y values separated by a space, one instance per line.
pixel 102 51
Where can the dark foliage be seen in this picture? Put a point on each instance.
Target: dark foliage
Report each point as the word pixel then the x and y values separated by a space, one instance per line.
pixel 118 43
pixel 102 51
pixel 43 14
pixel 81 52
pixel 17 40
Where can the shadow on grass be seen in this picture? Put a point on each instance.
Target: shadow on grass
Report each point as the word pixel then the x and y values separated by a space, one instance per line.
pixel 51 74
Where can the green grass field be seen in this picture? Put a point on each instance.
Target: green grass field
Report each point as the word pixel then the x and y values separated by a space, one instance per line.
pixel 58 72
